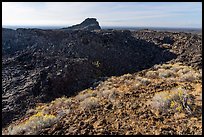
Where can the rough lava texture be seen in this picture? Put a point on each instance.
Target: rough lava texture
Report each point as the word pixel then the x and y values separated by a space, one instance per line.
pixel 187 46
pixel 39 66
pixel 131 104
pixel 45 64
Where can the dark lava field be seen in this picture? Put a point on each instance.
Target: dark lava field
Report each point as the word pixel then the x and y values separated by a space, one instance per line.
pixel 86 80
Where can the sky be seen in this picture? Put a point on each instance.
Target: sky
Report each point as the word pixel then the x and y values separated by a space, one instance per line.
pixel 132 14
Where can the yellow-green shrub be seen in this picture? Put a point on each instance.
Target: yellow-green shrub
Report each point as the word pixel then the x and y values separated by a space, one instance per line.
pixel 33 125
pixel 175 100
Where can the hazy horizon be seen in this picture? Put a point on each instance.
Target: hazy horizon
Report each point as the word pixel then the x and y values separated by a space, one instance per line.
pixel 103 27
pixel 111 14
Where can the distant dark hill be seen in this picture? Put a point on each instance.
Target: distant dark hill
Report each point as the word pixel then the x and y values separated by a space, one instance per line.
pixel 87 24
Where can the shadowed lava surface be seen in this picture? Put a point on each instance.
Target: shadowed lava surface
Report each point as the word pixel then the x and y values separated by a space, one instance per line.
pixel 41 65
pixel 123 105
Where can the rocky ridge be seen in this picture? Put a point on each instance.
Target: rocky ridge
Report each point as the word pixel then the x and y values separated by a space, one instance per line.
pixel 87 24
pixel 125 105
pixel 73 64
pixel 186 46
pixel 41 65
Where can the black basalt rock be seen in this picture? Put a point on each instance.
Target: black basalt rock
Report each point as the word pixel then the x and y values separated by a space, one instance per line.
pixel 88 24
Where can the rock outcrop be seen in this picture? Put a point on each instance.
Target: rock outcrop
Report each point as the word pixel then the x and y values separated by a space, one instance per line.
pixel 88 24
pixel 41 65
pixel 187 46
pixel 150 102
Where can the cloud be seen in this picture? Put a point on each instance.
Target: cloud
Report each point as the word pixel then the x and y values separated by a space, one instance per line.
pixel 108 13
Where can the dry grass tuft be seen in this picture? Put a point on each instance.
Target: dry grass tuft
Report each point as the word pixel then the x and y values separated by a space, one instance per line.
pixel 152 74
pixel 85 94
pixel 165 73
pixel 33 125
pixel 45 116
pixel 89 103
pixel 190 76
pixel 175 100
pixel 143 81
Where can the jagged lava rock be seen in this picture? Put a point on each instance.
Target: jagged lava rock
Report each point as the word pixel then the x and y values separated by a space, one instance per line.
pixel 40 65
